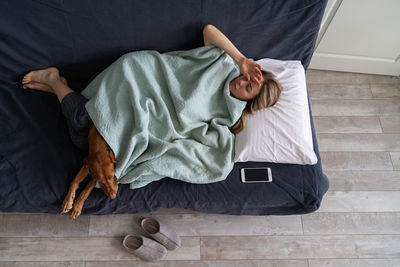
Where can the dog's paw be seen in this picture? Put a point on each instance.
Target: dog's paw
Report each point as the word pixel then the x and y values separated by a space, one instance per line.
pixel 67 204
pixel 76 211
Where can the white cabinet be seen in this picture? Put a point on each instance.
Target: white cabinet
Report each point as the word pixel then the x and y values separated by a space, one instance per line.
pixel 359 36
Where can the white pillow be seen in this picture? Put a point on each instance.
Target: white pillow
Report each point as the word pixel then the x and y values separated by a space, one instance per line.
pixel 281 133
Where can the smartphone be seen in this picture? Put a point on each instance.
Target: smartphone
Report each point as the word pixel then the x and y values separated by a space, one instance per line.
pixel 256 175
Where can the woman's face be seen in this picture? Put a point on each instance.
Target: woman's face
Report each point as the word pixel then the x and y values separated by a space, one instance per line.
pixel 243 89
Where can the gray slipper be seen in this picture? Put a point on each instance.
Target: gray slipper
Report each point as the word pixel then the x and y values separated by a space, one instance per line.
pixel 144 248
pixel 161 232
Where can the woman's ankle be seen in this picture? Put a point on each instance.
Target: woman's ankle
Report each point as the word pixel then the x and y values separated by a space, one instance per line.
pixel 61 90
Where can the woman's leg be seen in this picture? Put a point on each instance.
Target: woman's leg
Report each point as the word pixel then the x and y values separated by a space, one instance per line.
pixel 78 120
pixel 72 103
pixel 47 80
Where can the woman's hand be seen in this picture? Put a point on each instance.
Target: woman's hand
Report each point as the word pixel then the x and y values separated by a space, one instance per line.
pixel 251 70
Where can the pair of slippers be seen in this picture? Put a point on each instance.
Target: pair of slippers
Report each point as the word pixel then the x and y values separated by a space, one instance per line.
pixel 148 249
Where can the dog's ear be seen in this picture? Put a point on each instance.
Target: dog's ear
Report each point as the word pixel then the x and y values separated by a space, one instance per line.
pixel 111 155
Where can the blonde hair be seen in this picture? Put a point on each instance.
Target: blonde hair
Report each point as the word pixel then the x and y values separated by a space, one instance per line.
pixel 267 97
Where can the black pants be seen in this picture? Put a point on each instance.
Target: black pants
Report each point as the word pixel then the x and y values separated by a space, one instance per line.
pixel 78 120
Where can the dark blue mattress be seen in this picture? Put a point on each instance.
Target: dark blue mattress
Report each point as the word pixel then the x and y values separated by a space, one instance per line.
pixel 81 38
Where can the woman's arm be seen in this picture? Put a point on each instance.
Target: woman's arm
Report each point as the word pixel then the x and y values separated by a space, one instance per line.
pixel 213 36
pixel 250 69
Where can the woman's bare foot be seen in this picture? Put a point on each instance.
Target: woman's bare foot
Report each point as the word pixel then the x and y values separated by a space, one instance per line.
pixel 47 80
pixel 46 76
pixel 42 86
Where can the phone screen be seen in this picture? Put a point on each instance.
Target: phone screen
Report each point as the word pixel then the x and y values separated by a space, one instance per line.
pixel 256 175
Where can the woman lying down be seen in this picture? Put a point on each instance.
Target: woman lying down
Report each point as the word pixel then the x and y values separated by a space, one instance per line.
pixel 167 115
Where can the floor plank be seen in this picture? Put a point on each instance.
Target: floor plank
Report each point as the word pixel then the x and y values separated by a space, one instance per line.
pixel 340 223
pixel 334 77
pixel 83 249
pixel 364 180
pixel 361 201
pixel 345 107
pixel 206 263
pixel 42 225
pixel 42 264
pixel 395 156
pixel 390 124
pixel 355 263
pixel 200 224
pixel 347 124
pixel 356 161
pixel 339 91
pixel 386 90
pixel 300 247
pixel 359 142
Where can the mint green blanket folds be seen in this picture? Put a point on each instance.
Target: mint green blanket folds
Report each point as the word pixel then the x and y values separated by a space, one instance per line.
pixel 167 115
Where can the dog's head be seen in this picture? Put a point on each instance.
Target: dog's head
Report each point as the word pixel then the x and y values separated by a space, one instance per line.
pixel 101 168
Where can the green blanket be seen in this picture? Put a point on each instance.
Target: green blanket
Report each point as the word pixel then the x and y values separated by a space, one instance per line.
pixel 167 115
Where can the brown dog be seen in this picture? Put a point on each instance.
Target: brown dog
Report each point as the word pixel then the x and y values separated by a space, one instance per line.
pixel 100 165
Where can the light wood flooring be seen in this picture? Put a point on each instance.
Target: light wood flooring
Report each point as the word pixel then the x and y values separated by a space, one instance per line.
pixel 357 119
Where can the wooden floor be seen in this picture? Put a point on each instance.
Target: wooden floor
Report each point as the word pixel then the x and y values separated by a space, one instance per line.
pixel 357 119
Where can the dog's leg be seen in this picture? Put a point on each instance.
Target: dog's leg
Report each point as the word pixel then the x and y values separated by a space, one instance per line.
pixel 69 199
pixel 78 204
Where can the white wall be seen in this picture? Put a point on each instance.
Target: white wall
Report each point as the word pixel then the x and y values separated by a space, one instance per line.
pixel 360 36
